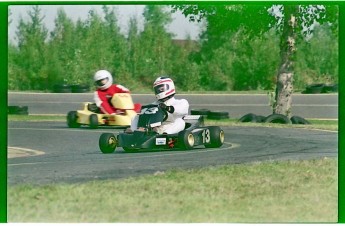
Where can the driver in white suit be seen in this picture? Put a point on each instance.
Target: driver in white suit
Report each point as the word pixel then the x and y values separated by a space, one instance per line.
pixel 164 89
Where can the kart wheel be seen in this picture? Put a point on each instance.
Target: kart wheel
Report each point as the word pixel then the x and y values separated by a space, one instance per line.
pixel 217 137
pixel 107 143
pixel 93 121
pixel 186 139
pixel 72 119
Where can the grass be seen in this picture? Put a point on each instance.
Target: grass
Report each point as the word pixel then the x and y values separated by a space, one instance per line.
pixel 288 191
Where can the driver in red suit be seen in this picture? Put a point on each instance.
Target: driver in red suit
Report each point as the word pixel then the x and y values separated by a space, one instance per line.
pixel 105 91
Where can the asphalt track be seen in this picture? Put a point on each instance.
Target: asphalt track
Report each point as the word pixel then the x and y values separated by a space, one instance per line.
pixel 54 153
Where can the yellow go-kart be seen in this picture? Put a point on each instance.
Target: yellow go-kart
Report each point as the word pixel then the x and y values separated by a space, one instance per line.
pixel 92 116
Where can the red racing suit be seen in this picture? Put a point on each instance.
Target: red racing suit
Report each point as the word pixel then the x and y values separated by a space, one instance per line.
pixel 102 98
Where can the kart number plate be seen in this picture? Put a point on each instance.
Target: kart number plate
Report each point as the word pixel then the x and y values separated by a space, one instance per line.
pixel 161 141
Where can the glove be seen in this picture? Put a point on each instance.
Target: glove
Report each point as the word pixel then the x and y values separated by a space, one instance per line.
pixel 169 109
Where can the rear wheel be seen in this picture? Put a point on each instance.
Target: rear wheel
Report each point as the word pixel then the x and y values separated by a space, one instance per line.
pixel 72 117
pixel 107 143
pixel 93 121
pixel 186 139
pixel 216 137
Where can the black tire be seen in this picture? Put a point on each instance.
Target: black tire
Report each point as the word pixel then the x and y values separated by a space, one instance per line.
pixel 72 117
pixel 218 115
pixel 17 110
pixel 186 140
pixel 299 120
pixel 199 112
pixel 80 88
pixel 250 117
pixel 62 88
pixel 107 143
pixel 314 88
pixel 93 121
pixel 260 118
pixel 277 118
pixel 217 137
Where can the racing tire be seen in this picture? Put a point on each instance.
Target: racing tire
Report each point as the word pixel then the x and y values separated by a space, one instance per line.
pixel 216 137
pixel 260 118
pixel 107 143
pixel 277 118
pixel 186 140
pixel 199 112
pixel 299 120
pixel 93 121
pixel 72 117
pixel 80 88
pixel 218 115
pixel 314 88
pixel 62 88
pixel 248 118
pixel 17 110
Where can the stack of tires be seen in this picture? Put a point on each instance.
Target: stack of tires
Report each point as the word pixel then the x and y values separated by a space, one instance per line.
pixel 211 114
pixel 273 118
pixel 17 110
pixel 65 88
pixel 320 88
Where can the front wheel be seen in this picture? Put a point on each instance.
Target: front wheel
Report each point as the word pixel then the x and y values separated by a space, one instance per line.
pixel 107 143
pixel 186 140
pixel 217 137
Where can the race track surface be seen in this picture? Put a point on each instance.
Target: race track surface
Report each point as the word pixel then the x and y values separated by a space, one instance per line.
pixel 58 154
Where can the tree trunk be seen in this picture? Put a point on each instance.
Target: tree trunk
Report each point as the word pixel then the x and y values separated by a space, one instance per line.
pixel 284 89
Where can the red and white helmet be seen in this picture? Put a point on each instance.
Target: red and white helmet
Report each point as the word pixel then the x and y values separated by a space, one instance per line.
pixel 103 79
pixel 164 88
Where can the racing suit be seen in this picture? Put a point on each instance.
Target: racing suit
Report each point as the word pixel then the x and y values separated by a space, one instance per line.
pixel 102 98
pixel 174 123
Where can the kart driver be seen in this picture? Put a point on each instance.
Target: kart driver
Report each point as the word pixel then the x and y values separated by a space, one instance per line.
pixel 105 91
pixel 164 89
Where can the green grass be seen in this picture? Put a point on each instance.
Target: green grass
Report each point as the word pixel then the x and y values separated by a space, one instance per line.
pixel 287 191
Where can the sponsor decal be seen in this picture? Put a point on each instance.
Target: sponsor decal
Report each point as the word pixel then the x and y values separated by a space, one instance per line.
pixel 161 141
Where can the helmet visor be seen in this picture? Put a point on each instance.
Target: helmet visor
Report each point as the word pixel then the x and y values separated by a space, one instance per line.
pixel 101 82
pixel 160 88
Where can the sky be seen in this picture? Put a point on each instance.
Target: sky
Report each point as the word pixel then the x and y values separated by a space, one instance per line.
pixel 180 26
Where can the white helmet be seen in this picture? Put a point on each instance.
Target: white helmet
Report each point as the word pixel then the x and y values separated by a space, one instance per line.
pixel 164 88
pixel 103 79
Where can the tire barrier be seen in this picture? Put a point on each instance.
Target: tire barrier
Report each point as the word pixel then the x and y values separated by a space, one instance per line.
pixel 80 88
pixel 320 88
pixel 17 110
pixel 62 88
pixel 65 88
pixel 277 118
pixel 250 117
pixel 210 114
pixel 218 115
pixel 199 112
pixel 273 118
pixel 299 120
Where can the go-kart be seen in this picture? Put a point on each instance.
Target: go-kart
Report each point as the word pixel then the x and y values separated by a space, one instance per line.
pixel 92 116
pixel 146 138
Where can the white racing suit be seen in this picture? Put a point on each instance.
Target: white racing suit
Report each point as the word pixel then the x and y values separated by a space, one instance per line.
pixel 174 123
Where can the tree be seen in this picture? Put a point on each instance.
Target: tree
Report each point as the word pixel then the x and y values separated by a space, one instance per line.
pixel 290 21
pixel 32 36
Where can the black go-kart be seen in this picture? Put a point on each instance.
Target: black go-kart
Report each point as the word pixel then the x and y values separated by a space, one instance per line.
pixel 146 139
